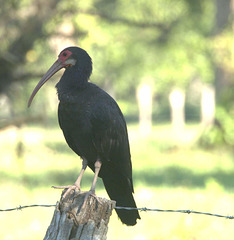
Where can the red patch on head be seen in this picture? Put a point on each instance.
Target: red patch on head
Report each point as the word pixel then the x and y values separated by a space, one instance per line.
pixel 64 55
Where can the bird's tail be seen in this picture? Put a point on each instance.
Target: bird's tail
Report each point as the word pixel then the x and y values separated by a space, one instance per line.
pixel 119 189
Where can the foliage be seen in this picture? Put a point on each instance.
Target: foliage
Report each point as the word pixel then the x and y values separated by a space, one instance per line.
pixel 221 133
pixel 135 40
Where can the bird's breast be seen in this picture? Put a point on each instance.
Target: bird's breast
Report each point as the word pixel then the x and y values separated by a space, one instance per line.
pixel 75 123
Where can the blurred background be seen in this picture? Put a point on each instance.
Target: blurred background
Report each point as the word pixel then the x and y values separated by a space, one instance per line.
pixel 169 64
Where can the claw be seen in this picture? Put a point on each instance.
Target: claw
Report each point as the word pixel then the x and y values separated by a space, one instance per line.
pixel 87 194
pixel 91 193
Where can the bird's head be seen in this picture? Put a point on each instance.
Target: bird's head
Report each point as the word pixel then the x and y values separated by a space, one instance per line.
pixel 71 57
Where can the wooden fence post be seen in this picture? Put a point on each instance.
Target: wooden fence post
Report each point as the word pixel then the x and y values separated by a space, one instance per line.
pixel 71 221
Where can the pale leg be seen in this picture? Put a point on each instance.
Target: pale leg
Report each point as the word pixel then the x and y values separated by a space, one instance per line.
pixel 97 166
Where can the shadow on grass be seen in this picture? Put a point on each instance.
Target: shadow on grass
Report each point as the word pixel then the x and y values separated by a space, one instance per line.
pixel 177 176
pixel 171 177
pixel 49 179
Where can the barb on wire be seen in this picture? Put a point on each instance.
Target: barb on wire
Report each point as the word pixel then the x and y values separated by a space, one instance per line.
pixel 28 206
pixel 176 211
pixel 129 208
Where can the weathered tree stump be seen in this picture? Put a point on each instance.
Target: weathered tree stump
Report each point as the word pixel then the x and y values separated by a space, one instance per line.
pixel 74 221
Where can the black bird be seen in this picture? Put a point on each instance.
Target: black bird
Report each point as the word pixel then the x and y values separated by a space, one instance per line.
pixel 94 128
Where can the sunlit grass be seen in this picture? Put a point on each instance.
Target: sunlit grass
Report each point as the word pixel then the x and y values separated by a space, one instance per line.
pixel 170 172
pixel 155 225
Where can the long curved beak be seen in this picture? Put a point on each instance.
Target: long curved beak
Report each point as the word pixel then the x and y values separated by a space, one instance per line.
pixel 53 69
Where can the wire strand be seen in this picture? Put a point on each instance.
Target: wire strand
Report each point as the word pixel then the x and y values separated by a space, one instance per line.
pixel 176 211
pixel 27 206
pixel 144 209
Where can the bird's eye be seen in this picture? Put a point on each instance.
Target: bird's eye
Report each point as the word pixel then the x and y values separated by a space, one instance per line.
pixel 64 54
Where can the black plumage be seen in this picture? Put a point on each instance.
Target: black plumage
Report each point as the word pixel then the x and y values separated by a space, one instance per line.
pixel 94 128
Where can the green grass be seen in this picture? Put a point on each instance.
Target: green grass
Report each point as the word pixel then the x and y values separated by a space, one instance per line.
pixel 169 170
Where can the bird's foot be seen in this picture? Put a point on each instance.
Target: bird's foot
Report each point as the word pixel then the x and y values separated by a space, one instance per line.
pixel 87 194
pixel 69 188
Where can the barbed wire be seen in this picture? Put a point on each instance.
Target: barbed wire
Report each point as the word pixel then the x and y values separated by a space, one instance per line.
pixel 144 209
pixel 176 211
pixel 27 206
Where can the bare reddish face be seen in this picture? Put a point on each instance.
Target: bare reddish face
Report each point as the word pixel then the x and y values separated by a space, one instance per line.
pixel 64 55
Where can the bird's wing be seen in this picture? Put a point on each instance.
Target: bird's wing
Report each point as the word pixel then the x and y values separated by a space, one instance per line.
pixel 110 136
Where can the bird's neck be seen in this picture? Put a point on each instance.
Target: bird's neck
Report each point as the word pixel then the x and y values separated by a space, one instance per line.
pixel 72 80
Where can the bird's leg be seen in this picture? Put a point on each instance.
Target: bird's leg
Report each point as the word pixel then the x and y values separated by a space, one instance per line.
pixel 78 180
pixel 76 185
pixel 97 166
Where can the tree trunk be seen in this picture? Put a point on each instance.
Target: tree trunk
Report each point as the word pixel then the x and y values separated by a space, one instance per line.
pixel 74 221
pixel 222 17
pixel 177 101
pixel 144 95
